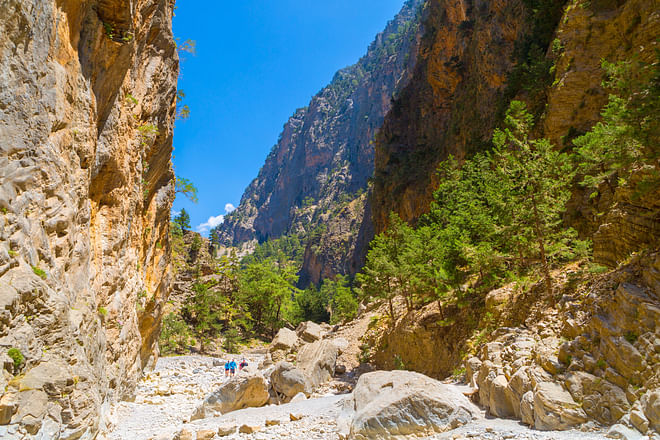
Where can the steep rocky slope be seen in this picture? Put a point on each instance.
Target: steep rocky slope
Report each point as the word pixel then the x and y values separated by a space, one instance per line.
pixel 474 58
pixel 87 106
pixel 324 156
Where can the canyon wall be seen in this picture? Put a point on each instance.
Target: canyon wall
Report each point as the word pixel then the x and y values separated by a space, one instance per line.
pixel 475 57
pixel 87 106
pixel 324 157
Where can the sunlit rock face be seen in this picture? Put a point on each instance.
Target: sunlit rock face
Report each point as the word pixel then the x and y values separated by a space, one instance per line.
pixel 87 106
pixel 325 156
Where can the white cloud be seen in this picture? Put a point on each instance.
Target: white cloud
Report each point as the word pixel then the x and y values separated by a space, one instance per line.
pixel 175 213
pixel 229 208
pixel 212 222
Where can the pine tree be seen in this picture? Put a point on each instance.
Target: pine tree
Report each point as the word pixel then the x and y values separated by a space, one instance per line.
pixel 182 220
pixel 536 180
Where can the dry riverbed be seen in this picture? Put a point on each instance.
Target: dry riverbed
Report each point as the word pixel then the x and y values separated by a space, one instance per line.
pixel 167 397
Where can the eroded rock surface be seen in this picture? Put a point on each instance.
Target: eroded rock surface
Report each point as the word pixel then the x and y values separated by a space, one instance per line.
pixel 402 403
pixel 245 390
pixel 86 117
pixel 596 360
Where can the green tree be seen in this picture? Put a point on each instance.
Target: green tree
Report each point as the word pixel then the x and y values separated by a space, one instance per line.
pixel 203 311
pixel 627 139
pixel 266 289
pixel 536 181
pixel 175 335
pixel 311 304
pixel 343 304
pixel 186 187
pixel 182 221
pixel 378 279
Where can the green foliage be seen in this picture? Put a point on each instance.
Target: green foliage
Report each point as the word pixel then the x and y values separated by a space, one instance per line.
pixel 175 336
pixel 232 339
pixel 188 46
pixel 102 311
pixel 18 358
pixel 182 110
pixel 631 337
pixel 266 289
pixel 182 221
pixel 187 188
pixel 203 311
pixel 536 180
pixel 131 99
pixel 398 363
pixel 39 272
pixel 311 304
pixel 148 133
pixel 343 304
pixel 627 139
pixel 497 212
pixel 533 73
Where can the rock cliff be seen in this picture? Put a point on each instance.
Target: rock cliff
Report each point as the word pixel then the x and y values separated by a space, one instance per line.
pixel 87 106
pixel 475 57
pixel 324 157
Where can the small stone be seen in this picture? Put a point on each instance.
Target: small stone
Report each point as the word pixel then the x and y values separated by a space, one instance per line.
pixel 248 429
pixel 272 422
pixel 294 417
pixel 623 432
pixel 184 434
pixel 205 434
pixel 224 430
pixel 299 397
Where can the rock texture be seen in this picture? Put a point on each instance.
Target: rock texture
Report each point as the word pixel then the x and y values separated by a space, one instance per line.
pixel 394 404
pixel 595 359
pixel 245 390
pixel 466 74
pixel 450 105
pixel 86 115
pixel 324 158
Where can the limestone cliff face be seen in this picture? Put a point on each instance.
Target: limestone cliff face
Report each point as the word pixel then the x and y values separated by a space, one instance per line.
pixel 87 105
pixel 324 156
pixel 614 31
pixel 465 75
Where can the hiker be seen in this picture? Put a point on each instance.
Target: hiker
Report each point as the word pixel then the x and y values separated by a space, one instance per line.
pixel 232 367
pixel 227 367
pixel 242 365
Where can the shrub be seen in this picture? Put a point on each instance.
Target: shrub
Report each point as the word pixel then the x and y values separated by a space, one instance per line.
pixel 18 358
pixel 39 272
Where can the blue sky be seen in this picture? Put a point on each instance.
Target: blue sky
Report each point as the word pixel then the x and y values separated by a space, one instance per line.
pixel 257 61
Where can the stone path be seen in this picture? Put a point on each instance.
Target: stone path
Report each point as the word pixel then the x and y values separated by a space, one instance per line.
pixel 168 396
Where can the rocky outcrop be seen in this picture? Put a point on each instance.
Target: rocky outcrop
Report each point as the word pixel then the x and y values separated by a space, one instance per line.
pixel 597 359
pixel 288 381
pixel 389 404
pixel 284 343
pixel 324 156
pixel 86 117
pixel 317 361
pixel 246 390
pixel 192 262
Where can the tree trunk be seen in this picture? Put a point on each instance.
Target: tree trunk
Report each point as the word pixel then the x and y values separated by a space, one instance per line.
pixel 539 238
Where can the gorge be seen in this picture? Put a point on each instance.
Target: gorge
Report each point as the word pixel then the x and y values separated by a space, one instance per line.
pixel 475 201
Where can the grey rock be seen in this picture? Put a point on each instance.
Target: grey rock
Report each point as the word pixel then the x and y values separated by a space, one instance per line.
pixel 401 403
pixel 288 380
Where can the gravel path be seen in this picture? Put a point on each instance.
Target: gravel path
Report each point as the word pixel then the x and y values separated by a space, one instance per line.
pixel 167 397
